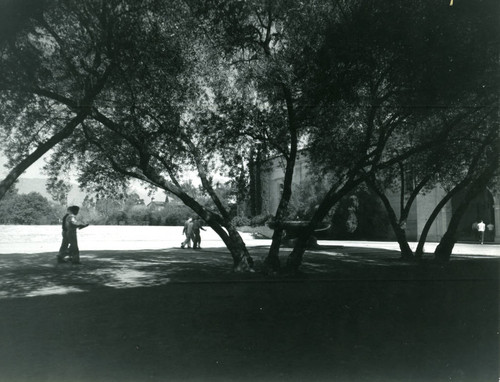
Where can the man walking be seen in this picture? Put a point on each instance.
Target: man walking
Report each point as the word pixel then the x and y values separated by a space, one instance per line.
pixel 188 231
pixel 69 245
pixel 197 225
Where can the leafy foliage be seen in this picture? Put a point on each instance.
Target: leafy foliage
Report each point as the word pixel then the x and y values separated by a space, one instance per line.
pixel 162 90
pixel 30 208
pixel 59 190
pixel 306 198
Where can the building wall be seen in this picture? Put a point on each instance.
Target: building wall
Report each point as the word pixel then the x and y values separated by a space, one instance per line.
pixel 425 205
pixel 496 216
pixel 272 183
pixel 420 212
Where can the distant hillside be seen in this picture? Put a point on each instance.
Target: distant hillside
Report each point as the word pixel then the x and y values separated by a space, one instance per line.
pixel 27 185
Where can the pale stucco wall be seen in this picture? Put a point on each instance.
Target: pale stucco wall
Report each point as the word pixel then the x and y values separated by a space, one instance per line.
pixel 420 212
pixel 496 212
pixel 425 205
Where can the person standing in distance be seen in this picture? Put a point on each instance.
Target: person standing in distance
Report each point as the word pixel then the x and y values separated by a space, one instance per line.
pixel 69 245
pixel 480 228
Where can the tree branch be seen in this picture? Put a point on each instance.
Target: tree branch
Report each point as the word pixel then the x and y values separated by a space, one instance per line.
pixel 40 151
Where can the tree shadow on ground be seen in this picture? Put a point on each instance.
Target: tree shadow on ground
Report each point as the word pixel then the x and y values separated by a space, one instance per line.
pixel 184 316
pixel 39 274
pixel 383 264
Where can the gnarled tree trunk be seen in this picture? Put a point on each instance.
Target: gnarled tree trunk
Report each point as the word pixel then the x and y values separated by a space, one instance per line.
pixel 423 235
pixel 272 262
pixel 445 247
pixel 294 259
pixel 398 226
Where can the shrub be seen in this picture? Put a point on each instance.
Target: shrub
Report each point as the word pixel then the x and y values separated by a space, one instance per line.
pixel 138 215
pixel 240 221
pixel 176 214
pixel 32 208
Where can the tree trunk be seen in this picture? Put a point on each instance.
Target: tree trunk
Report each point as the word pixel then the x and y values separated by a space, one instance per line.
pixel 425 231
pixel 399 229
pixel 252 185
pixel 272 262
pixel 404 246
pixel 448 241
pixel 397 226
pixel 258 182
pixel 445 247
pixel 294 260
pixel 254 168
pixel 242 261
pixel 332 197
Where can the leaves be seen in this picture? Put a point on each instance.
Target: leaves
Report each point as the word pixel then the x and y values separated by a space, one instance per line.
pixel 30 208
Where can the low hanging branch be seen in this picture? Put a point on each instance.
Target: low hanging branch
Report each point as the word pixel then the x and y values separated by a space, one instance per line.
pixel 43 148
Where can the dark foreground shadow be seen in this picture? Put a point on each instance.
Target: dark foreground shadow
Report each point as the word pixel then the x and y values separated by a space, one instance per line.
pixel 185 317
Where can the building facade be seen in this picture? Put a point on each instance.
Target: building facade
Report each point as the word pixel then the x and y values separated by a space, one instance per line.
pixel 485 206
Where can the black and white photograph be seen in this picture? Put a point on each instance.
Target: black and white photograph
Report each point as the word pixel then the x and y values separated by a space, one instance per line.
pixel 249 191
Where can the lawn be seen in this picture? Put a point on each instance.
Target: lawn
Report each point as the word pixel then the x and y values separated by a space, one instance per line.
pixel 355 315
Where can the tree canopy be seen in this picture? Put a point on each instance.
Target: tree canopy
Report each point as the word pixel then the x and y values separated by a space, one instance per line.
pixel 31 208
pixel 157 91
